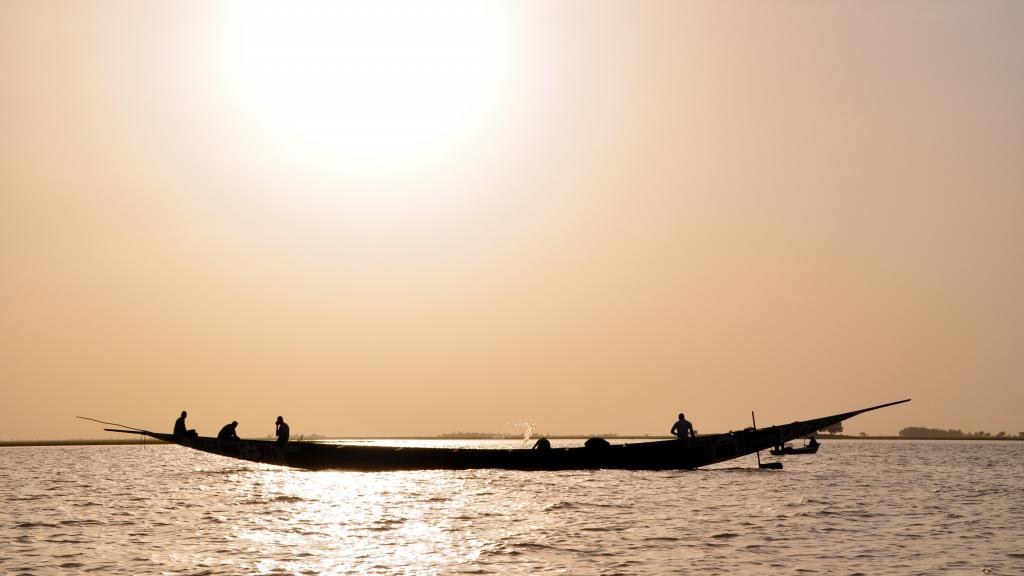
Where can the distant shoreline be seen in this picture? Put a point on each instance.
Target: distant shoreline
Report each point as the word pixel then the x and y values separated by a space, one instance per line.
pixel 844 437
pixel 128 442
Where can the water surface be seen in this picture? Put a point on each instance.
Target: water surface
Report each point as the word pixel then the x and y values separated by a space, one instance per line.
pixel 857 507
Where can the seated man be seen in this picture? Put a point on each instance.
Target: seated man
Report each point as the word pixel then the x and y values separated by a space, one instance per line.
pixel 228 432
pixel 180 432
pixel 542 444
pixel 682 427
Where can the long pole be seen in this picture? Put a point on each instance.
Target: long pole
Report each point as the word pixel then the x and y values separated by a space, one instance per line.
pixel 110 423
pixel 770 465
pixel 754 422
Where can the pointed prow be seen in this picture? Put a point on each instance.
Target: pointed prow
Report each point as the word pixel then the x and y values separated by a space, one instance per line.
pixel 856 412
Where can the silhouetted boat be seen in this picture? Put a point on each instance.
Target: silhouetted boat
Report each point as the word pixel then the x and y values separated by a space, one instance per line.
pixel 655 455
pixel 795 450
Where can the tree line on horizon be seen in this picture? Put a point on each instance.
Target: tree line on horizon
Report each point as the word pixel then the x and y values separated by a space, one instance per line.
pixel 922 432
pixel 931 433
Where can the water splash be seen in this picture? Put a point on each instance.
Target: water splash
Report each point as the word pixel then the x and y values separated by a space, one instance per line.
pixel 529 428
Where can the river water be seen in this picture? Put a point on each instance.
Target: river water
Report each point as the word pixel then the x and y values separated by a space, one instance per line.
pixel 857 507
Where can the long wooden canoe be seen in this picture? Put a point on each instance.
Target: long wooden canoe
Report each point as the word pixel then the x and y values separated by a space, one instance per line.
pixel 655 455
pixel 794 450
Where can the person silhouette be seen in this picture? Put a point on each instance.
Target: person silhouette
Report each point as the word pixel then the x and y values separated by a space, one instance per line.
pixel 682 427
pixel 228 432
pixel 281 428
pixel 180 430
pixel 542 443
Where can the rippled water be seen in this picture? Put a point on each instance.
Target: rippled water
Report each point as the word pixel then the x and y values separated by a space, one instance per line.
pixel 857 507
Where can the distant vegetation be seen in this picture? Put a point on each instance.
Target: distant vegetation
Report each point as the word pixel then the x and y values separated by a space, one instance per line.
pixel 82 442
pixel 459 435
pixel 922 432
pixel 909 433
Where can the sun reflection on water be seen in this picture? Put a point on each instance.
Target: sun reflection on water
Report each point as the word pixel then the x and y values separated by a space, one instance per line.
pixel 334 518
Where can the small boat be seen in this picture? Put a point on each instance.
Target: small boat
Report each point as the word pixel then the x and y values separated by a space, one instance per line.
pixel 680 454
pixel 794 450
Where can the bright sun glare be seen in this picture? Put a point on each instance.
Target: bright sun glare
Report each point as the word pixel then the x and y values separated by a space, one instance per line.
pixel 358 87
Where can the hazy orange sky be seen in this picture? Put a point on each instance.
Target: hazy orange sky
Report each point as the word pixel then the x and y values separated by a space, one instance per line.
pixel 391 218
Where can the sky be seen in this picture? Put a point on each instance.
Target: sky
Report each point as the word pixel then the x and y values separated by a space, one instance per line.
pixel 411 218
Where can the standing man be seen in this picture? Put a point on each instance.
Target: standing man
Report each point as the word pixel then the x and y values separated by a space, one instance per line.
pixel 682 427
pixel 282 431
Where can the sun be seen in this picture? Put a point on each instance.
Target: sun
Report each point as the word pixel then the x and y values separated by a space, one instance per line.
pixel 358 87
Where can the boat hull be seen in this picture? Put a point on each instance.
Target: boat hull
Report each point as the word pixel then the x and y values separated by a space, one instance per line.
pixel 656 455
